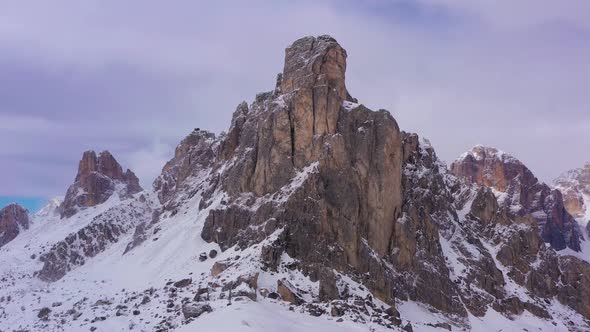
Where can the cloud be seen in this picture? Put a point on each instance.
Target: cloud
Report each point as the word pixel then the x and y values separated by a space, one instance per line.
pixel 135 77
pixel 522 14
pixel 147 162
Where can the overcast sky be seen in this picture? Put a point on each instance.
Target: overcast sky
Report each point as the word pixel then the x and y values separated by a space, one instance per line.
pixel 134 77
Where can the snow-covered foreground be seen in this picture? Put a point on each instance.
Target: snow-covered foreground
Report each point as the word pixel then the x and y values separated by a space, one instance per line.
pixel 139 290
pixel 265 316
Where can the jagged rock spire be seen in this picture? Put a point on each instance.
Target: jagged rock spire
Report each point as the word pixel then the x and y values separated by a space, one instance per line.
pixel 13 218
pixel 314 77
pixel 95 182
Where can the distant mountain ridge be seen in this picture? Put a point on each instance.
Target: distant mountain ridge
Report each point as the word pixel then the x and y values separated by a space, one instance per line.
pixel 575 186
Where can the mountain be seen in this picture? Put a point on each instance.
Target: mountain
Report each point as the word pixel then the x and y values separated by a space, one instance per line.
pixel 520 192
pixel 13 219
pixel 50 209
pixel 97 179
pixel 312 212
pixel 575 186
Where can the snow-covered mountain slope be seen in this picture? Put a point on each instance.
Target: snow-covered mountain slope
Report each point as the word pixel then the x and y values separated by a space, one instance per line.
pixel 49 210
pixel 313 213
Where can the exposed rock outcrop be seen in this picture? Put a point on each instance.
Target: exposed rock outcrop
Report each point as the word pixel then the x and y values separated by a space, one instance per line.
pixel 97 179
pixel 317 204
pixel 520 192
pixel 195 153
pixel 519 215
pixel 320 168
pixel 303 162
pixel 315 182
pixel 575 187
pixel 104 230
pixel 575 285
pixel 13 219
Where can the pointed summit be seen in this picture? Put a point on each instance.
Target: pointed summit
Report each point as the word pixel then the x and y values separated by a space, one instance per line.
pixel 575 186
pixel 13 219
pixel 315 63
pixel 96 181
pixel 314 74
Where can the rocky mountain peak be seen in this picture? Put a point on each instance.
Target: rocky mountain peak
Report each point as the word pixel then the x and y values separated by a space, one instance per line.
pixel 491 167
pixel 520 192
pixel 13 218
pixel 319 169
pixel 315 62
pixel 311 203
pixel 194 153
pixel 105 164
pixel 96 181
pixel 575 187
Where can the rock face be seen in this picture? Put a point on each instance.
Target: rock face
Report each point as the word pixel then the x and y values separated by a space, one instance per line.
pixel 191 310
pixel 195 153
pixel 518 214
pixel 575 187
pixel 13 219
pixel 319 168
pixel 421 272
pixel 316 201
pixel 306 135
pixel 327 187
pixel 104 230
pixel 97 179
pixel 521 193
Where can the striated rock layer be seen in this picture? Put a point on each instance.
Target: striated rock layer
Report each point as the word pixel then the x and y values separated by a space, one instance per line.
pixel 97 179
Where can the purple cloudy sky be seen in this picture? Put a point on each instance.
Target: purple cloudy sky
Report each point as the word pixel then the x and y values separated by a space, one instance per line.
pixel 134 77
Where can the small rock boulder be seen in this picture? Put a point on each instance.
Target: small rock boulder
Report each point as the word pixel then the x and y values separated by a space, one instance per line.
pixel 183 283
pixel 194 310
pixel 146 299
pixel 408 328
pixel 288 292
pixel 44 313
pixel 219 267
